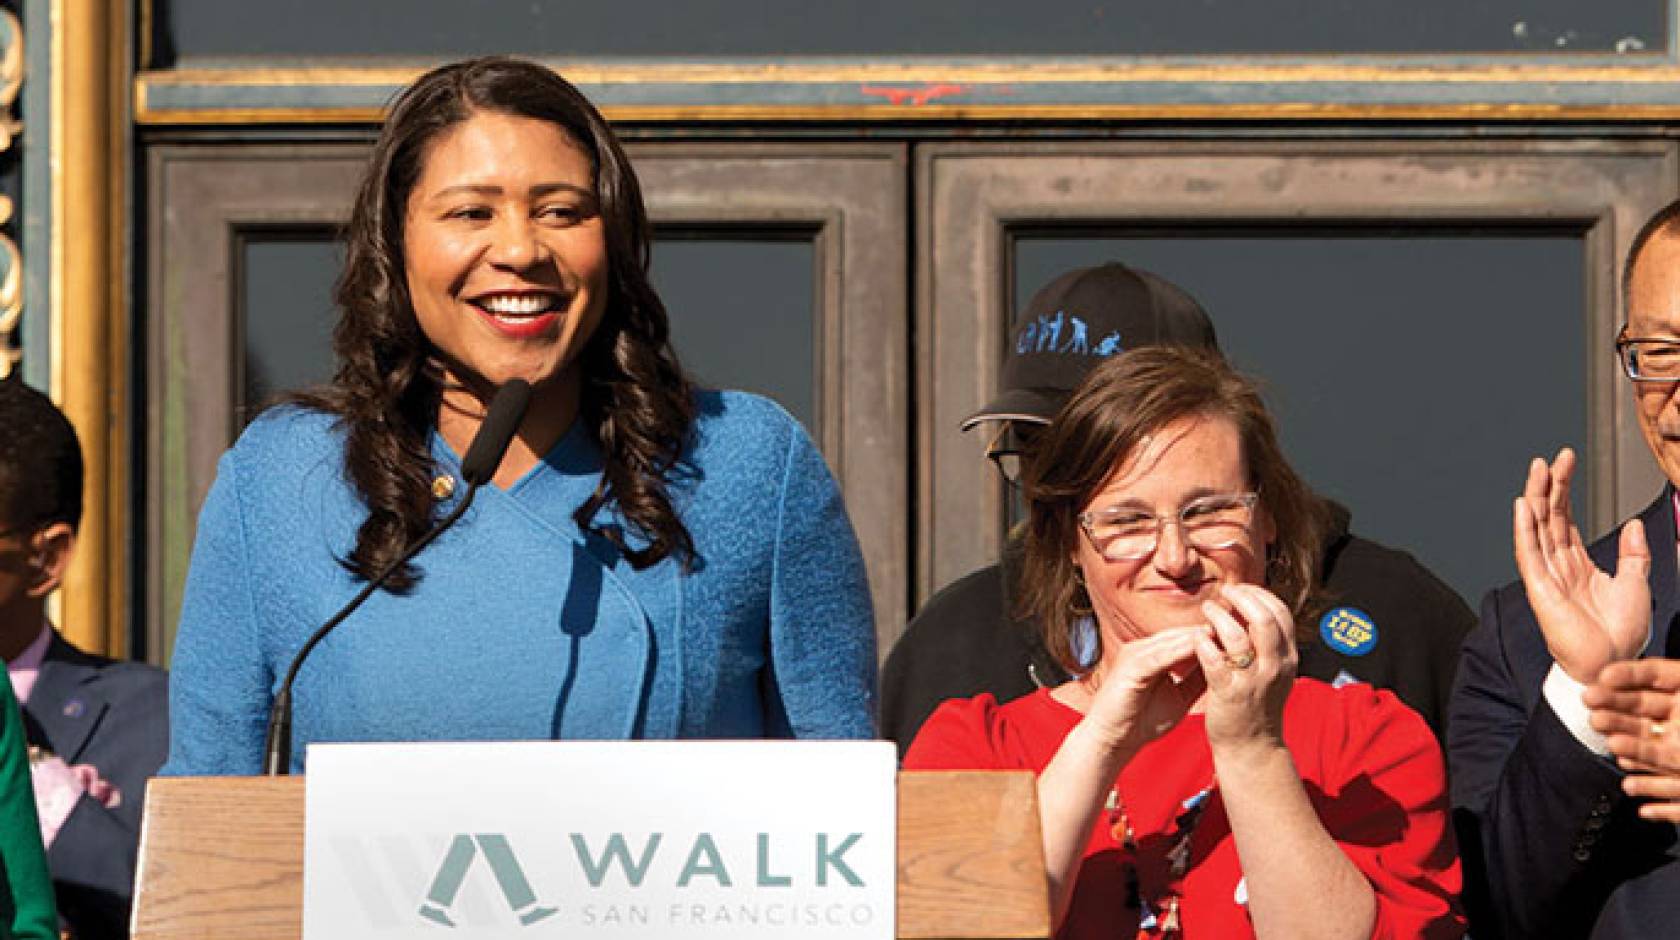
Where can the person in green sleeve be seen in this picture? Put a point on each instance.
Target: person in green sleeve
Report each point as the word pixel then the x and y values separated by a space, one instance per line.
pixel 27 910
pixel 27 905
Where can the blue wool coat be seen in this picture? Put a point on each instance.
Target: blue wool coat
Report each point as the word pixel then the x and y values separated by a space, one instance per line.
pixel 524 627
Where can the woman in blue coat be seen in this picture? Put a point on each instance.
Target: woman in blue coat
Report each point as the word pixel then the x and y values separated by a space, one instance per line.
pixel 651 560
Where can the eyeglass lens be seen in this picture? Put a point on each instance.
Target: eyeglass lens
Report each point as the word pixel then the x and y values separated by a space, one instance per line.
pixel 1650 359
pixel 1207 525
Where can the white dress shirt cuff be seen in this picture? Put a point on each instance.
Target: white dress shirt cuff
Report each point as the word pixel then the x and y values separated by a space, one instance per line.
pixel 1563 693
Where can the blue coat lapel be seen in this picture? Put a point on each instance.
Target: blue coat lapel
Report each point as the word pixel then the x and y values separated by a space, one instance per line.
pixel 604 614
pixel 613 641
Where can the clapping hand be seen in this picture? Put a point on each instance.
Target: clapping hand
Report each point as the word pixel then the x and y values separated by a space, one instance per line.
pixel 1589 618
pixel 1251 669
pixel 1149 689
pixel 1636 705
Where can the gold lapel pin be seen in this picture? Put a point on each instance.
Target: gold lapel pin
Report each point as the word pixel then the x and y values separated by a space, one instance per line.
pixel 443 486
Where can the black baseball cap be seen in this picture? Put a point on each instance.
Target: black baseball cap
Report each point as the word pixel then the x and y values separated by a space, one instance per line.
pixel 1077 321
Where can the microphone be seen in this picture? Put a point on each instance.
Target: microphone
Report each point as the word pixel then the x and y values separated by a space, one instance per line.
pixel 495 433
pixel 484 455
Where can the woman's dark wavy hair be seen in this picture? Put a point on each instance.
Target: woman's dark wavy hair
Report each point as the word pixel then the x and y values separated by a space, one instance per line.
pixel 636 400
pixel 1118 405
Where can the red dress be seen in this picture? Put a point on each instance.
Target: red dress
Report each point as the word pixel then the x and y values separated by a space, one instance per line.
pixel 1371 767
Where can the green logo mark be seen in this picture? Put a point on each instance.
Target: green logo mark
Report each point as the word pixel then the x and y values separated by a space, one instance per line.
pixel 510 877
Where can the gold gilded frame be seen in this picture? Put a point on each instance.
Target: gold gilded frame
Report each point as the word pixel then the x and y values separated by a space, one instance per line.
pixel 88 301
pixel 11 284
pixel 980 91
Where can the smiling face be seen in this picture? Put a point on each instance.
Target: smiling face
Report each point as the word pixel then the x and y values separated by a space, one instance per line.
pixel 505 253
pixel 1653 305
pixel 1186 459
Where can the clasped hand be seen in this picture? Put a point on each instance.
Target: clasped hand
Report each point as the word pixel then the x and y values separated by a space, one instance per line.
pixel 1636 705
pixel 1239 665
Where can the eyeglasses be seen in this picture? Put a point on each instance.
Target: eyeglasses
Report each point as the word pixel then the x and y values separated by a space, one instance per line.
pixel 1009 447
pixel 1649 360
pixel 1207 523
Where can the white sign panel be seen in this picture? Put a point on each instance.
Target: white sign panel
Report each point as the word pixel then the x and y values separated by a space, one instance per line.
pixel 609 840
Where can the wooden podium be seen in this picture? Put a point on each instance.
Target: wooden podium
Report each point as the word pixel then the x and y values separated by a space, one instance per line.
pixel 223 857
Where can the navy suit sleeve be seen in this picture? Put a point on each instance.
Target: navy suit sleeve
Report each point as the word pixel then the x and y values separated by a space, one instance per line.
pixel 1545 830
pixel 93 856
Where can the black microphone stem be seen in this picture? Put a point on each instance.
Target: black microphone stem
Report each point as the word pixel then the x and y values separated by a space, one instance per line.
pixel 277 748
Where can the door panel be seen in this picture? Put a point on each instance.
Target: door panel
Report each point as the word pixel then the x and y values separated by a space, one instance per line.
pixel 207 208
pixel 760 292
pixel 996 219
pixel 786 269
pixel 1415 400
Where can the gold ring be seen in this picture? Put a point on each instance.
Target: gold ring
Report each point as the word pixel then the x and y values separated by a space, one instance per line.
pixel 1240 662
pixel 1656 729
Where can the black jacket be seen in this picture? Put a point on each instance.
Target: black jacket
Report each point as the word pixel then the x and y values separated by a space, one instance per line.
pixel 966 641
pixel 1551 845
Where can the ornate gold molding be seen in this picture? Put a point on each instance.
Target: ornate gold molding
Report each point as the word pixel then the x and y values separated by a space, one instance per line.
pixel 11 282
pixel 90 63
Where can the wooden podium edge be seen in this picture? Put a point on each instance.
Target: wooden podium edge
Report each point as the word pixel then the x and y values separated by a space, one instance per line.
pixel 223 856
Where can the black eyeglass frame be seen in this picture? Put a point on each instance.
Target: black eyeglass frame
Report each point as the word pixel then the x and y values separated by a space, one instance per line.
pixel 1005 443
pixel 1624 342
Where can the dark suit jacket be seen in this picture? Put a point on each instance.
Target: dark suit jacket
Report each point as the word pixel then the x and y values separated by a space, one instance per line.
pixel 1551 846
pixel 114 715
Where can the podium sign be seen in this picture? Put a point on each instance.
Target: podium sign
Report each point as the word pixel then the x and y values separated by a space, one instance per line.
pixel 600 840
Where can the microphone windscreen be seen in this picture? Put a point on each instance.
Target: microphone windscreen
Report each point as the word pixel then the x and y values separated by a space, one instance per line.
pixel 494 435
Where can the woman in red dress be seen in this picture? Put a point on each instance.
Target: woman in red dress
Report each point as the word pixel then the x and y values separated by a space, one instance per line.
pixel 1189 784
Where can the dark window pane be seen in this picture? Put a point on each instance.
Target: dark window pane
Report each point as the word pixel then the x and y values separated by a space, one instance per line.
pixel 1374 349
pixel 447 28
pixel 288 314
pixel 742 312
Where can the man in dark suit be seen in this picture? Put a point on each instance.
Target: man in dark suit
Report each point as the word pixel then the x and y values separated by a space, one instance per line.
pixel 1554 845
pixel 97 727
pixel 1388 621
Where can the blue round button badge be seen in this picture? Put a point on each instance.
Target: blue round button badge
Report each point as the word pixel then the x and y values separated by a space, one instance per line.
pixel 1348 630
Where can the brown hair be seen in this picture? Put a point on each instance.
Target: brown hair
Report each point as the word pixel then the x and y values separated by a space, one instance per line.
pixel 1117 406
pixel 636 402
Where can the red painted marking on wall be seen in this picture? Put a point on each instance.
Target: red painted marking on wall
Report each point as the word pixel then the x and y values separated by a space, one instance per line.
pixel 919 95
